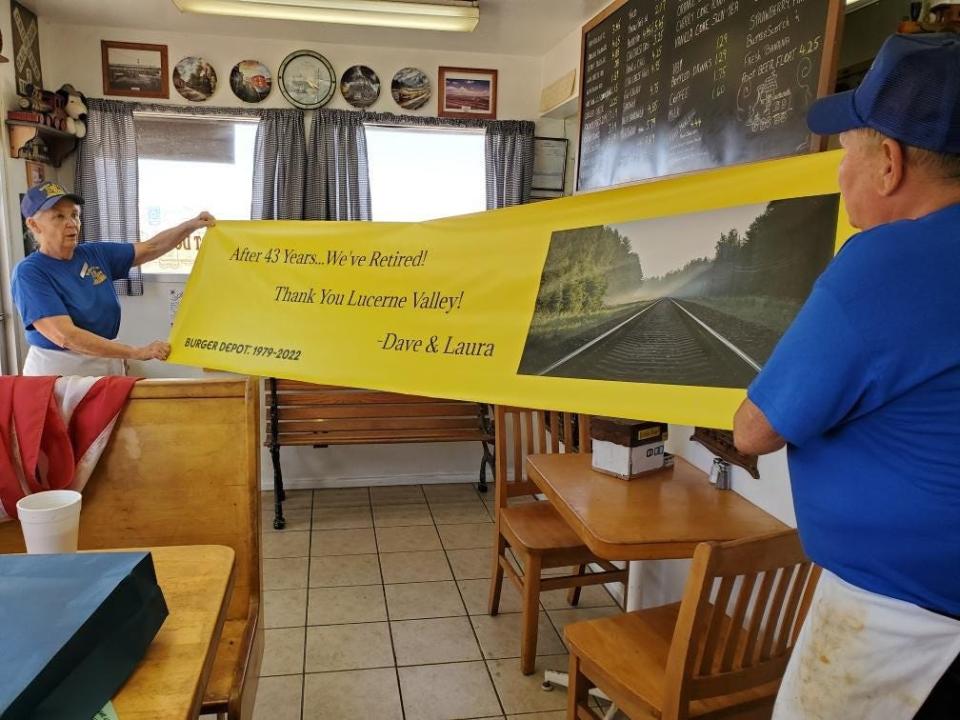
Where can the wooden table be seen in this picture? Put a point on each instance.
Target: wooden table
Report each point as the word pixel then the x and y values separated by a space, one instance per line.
pixel 659 516
pixel 169 682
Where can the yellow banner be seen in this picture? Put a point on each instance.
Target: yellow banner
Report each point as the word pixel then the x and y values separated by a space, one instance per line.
pixel 657 301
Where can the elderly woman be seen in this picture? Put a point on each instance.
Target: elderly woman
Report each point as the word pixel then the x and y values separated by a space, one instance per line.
pixel 64 291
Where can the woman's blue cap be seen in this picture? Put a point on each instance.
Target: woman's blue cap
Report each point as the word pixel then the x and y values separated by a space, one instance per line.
pixel 911 93
pixel 45 196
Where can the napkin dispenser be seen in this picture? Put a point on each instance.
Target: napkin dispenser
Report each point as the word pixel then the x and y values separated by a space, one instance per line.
pixel 628 448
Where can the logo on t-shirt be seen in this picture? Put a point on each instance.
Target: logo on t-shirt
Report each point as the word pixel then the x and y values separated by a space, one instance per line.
pixel 92 271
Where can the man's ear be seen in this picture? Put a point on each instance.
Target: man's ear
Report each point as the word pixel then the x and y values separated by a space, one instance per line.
pixel 31 224
pixel 892 166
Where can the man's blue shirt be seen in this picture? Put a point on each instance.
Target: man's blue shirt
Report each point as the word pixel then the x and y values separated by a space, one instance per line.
pixel 80 287
pixel 865 388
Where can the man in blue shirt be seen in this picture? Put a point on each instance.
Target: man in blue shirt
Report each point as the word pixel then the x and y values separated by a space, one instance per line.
pixel 64 291
pixel 864 390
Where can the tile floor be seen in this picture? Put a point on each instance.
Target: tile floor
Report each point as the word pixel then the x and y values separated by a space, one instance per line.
pixel 375 608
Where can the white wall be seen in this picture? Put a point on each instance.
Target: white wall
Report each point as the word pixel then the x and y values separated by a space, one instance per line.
pixel 72 54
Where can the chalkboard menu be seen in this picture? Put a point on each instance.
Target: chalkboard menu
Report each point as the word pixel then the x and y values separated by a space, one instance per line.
pixel 671 86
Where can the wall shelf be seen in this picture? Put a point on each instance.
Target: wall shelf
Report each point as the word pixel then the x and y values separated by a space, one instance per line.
pixel 59 143
pixel 565 109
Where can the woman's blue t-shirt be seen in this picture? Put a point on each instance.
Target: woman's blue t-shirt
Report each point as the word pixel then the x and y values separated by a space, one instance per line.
pixel 81 287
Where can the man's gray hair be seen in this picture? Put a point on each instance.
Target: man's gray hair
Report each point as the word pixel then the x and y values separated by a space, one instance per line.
pixel 944 166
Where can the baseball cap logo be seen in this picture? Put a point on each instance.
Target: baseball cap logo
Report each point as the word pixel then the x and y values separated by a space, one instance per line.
pixel 51 189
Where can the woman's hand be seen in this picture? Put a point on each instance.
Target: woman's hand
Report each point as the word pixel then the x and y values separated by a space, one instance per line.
pixel 166 240
pixel 202 220
pixel 157 350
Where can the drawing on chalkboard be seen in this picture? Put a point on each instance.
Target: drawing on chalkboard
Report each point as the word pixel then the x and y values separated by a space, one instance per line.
pixel 699 299
pixel 676 87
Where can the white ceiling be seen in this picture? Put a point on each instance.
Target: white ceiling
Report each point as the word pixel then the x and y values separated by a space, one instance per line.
pixel 507 27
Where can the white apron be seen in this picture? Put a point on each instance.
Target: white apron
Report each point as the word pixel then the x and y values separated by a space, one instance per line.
pixel 41 361
pixel 863 655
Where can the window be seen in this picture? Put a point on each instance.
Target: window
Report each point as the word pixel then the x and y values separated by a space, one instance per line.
pixel 425 173
pixel 188 164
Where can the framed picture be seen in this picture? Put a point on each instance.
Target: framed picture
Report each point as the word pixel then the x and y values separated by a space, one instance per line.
pixel 307 79
pixel 549 166
pixel 36 173
pixel 467 93
pixel 134 69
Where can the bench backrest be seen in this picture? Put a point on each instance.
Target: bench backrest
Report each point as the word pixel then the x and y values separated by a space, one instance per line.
pixel 181 468
pixel 308 414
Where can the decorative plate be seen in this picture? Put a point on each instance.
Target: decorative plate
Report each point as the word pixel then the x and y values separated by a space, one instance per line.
pixel 251 81
pixel 195 79
pixel 410 88
pixel 306 79
pixel 360 86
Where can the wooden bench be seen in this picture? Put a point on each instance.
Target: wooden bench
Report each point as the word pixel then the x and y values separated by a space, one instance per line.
pixel 182 468
pixel 320 415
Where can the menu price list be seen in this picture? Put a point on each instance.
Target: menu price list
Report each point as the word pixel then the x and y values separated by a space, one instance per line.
pixel 673 87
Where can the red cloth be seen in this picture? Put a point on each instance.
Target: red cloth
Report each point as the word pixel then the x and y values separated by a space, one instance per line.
pixel 35 442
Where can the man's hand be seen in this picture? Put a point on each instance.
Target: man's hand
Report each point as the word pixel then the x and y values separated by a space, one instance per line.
pixel 157 350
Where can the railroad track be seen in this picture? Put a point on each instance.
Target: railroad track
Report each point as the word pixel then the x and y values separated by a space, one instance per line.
pixel 664 343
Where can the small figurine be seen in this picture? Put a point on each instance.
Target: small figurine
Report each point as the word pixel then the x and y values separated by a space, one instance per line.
pixel 47 103
pixel 34 149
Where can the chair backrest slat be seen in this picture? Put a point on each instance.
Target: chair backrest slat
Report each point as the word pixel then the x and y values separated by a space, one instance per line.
pixel 785 577
pixel 714 612
pixel 756 617
pixel 737 620
pixel 790 612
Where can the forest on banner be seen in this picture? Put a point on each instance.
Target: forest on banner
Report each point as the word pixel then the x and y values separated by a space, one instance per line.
pixel 736 275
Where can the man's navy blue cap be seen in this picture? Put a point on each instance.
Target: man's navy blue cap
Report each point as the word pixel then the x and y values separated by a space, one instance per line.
pixel 45 196
pixel 911 93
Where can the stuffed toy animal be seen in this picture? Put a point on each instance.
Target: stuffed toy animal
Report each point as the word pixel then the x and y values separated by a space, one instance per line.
pixel 75 106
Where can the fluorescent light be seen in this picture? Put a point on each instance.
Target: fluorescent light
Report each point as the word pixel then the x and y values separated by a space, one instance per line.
pixel 458 15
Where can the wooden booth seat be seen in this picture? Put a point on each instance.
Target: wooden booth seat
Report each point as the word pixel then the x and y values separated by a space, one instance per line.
pixel 182 468
pixel 305 414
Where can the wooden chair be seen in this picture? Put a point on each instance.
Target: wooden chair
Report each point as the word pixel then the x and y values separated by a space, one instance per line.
pixel 719 653
pixel 183 468
pixel 539 537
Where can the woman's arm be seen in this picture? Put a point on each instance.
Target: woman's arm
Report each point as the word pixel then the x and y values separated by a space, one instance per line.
pixel 59 329
pixel 166 240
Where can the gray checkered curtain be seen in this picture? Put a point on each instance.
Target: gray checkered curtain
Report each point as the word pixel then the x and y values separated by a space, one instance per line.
pixel 106 178
pixel 338 180
pixel 509 155
pixel 279 162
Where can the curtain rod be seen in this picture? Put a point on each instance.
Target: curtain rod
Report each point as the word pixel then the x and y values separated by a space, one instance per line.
pixel 197 116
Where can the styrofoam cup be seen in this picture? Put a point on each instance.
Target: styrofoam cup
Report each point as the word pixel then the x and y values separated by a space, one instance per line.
pixel 50 521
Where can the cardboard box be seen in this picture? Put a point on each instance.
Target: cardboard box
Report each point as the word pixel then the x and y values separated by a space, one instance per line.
pixel 628 448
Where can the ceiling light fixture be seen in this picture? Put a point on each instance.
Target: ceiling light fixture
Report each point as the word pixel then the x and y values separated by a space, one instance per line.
pixel 456 15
